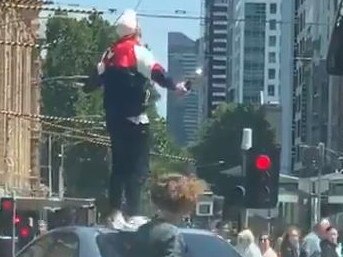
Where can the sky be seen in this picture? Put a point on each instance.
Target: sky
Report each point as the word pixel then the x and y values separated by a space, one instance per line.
pixel 155 30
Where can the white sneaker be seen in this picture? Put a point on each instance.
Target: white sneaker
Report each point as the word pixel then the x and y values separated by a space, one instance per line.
pixel 117 221
pixel 137 221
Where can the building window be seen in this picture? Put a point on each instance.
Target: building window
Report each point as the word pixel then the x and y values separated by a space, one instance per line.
pixel 271 90
pixel 273 8
pixel 271 73
pixel 272 40
pixel 272 24
pixel 272 57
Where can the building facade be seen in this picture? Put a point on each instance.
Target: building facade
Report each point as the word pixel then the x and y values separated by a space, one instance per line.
pixel 256 48
pixel 286 83
pixel 311 88
pixel 183 112
pixel 19 93
pixel 217 52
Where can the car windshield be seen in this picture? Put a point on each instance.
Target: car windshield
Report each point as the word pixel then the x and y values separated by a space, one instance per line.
pixel 203 246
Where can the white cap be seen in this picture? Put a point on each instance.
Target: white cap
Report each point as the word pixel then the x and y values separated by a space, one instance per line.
pixel 127 24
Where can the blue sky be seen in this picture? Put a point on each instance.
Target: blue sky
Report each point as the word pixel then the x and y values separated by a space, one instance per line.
pixel 155 30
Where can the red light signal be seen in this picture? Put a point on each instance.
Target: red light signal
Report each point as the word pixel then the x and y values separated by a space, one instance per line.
pixel 6 205
pixel 24 232
pixel 263 162
pixel 17 219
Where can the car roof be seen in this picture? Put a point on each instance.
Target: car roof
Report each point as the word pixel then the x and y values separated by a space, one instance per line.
pixel 104 230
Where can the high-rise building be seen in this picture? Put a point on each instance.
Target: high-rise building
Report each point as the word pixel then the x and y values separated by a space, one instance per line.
pixel 217 45
pixel 286 83
pixel 183 112
pixel 255 55
pixel 335 120
pixel 311 81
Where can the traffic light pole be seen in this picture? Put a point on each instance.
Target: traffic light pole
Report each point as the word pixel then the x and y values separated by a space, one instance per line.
pixel 61 173
pixel 244 211
pixel 13 224
pixel 246 145
pixel 321 149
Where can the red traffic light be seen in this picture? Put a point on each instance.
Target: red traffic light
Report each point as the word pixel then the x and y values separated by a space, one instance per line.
pixel 17 219
pixel 24 232
pixel 7 205
pixel 263 162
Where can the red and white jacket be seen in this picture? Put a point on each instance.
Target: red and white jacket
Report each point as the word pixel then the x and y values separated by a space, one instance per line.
pixel 125 69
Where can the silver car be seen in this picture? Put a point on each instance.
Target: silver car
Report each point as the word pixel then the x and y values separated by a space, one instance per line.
pixel 103 242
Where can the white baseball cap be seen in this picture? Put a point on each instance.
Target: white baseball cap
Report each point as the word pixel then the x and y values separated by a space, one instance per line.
pixel 127 24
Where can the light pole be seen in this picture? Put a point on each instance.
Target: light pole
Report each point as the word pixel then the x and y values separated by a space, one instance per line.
pixel 61 174
pixel 322 161
pixel 245 147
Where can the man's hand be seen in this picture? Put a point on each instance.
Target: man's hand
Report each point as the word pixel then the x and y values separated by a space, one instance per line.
pixel 93 82
pixel 182 88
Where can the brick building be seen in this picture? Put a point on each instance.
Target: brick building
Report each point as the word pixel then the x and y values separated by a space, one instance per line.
pixel 19 92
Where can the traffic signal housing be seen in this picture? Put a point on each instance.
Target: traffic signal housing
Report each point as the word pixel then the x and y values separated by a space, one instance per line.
pixel 24 230
pixel 7 215
pixel 262 179
pixel 232 188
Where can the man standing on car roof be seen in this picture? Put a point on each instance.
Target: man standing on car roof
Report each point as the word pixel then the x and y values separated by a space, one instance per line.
pixel 125 70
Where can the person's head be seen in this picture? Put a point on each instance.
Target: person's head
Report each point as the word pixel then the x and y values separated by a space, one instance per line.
pixel 264 241
pixel 127 25
pixel 175 194
pixel 291 237
pixel 245 238
pixel 321 228
pixel 332 235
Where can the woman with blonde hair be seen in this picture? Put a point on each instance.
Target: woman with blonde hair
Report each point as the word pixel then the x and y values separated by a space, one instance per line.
pixel 246 244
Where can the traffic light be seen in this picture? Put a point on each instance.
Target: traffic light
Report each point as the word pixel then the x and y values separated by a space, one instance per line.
pixel 7 215
pixel 232 188
pixel 262 179
pixel 24 230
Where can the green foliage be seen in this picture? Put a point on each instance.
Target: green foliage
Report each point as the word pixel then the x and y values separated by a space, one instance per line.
pixel 221 137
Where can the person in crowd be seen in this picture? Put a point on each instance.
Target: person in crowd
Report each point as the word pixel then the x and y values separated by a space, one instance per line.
pixel 311 243
pixel 265 246
pixel 277 246
pixel 329 245
pixel 174 196
pixel 125 72
pixel 290 246
pixel 246 246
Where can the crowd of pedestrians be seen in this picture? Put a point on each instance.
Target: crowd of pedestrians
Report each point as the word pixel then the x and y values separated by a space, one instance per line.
pixel 322 241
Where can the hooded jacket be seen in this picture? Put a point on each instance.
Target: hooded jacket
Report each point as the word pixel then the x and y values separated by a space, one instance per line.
pixel 126 69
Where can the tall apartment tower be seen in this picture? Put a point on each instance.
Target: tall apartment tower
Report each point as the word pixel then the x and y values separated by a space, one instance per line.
pixel 217 47
pixel 182 112
pixel 256 52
